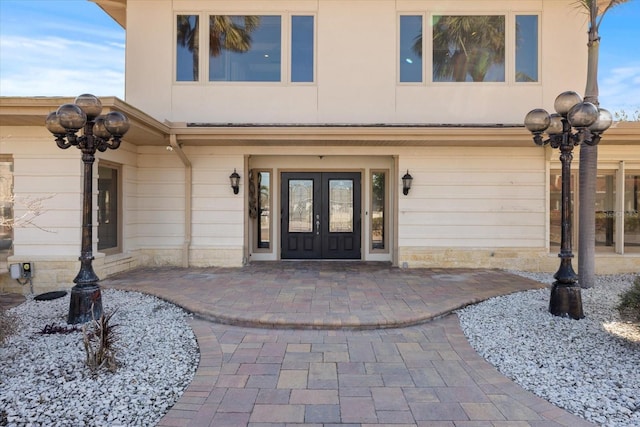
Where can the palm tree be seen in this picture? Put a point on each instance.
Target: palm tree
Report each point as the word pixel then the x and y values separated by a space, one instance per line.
pixel 589 154
pixel 467 45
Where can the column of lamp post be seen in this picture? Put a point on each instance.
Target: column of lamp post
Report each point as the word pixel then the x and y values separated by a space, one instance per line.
pixel 99 132
pixel 575 122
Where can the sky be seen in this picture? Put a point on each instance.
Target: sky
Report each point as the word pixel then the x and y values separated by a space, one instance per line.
pixel 69 47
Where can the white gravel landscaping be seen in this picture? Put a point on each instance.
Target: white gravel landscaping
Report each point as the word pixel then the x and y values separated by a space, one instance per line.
pixel 44 380
pixel 590 367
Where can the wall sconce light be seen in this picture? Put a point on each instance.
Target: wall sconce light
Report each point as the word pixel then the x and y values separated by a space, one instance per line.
pixel 235 181
pixel 406 183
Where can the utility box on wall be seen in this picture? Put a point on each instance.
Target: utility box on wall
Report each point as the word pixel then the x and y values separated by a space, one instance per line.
pixel 23 270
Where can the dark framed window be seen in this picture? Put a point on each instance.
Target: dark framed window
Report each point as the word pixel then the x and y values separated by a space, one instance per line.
pixel 6 207
pixel 109 211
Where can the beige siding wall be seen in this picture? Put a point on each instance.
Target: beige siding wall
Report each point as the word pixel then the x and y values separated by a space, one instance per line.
pixel 474 198
pixel 356 66
pixel 159 200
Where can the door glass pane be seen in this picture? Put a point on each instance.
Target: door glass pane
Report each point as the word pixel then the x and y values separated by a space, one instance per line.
pixel 377 209
pixel 187 45
pixel 264 203
pixel 302 48
pixel 631 215
pixel 468 48
pixel 340 206
pixel 411 48
pixel 301 206
pixel 244 48
pixel 605 210
pixel 527 48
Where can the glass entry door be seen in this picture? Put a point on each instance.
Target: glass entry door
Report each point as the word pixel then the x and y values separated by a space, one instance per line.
pixel 320 215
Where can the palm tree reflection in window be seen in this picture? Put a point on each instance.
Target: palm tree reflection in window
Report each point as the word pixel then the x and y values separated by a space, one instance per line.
pixel 226 32
pixel 467 48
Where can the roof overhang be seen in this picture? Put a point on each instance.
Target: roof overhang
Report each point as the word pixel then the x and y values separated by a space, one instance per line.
pixel 23 111
pixel 116 9
pixel 147 131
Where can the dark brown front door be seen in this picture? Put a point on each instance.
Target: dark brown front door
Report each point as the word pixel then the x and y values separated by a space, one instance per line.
pixel 320 215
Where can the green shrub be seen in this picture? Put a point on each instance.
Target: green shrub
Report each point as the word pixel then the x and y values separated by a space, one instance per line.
pixel 629 306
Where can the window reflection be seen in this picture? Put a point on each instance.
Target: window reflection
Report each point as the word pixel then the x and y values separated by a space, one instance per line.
pixel 302 34
pixel 107 207
pixel 526 48
pixel 187 47
pixel 6 207
pixel 631 211
pixel 468 48
pixel 411 48
pixel 244 48
pixel 605 210
pixel 264 211
pixel 378 188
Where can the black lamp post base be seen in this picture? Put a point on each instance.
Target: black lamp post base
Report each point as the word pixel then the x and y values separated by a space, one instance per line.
pixel 566 301
pixel 85 304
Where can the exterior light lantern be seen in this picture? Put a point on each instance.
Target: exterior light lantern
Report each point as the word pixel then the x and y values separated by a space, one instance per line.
pixel 576 122
pixel 406 183
pixel 98 133
pixel 235 181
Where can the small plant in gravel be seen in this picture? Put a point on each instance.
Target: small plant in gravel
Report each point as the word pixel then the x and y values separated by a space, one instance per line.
pixel 8 326
pixel 629 306
pixel 100 344
pixel 52 328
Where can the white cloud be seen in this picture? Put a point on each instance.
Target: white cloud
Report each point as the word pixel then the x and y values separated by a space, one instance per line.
pixel 54 66
pixel 620 88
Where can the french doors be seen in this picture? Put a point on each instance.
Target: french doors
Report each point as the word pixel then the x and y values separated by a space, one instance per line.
pixel 320 215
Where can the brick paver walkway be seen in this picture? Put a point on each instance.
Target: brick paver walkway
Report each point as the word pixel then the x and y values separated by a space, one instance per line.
pixel 340 344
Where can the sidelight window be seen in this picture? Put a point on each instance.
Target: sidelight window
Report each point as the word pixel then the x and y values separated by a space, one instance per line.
pixel 378 209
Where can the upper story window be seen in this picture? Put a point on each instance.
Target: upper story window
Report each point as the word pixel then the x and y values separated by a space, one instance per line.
pixel 469 48
pixel 187 48
pixel 526 48
pixel 245 48
pixel 411 49
pixel 302 43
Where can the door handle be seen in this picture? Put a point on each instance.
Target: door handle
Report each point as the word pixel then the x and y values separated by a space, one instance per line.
pixel 317 225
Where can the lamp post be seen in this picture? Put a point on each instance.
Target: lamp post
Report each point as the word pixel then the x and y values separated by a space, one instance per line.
pixel 573 123
pixel 99 133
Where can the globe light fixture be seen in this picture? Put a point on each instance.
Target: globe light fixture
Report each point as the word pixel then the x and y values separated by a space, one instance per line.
pixel 98 133
pixel 575 122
